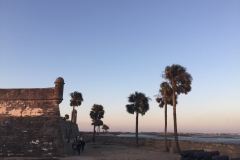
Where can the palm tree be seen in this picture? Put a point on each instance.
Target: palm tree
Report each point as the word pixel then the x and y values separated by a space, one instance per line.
pixel 105 127
pixel 139 104
pixel 180 81
pixel 76 100
pixel 66 116
pixel 98 124
pixel 96 114
pixel 165 99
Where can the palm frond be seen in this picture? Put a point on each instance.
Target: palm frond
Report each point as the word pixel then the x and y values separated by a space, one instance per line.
pixel 130 108
pixel 139 103
pixel 97 113
pixel 132 98
pixel 76 98
pixel 179 79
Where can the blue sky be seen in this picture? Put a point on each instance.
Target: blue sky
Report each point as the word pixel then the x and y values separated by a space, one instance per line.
pixel 109 49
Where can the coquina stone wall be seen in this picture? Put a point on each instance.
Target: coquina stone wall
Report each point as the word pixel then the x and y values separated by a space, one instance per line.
pixel 30 123
pixel 232 150
pixel 65 128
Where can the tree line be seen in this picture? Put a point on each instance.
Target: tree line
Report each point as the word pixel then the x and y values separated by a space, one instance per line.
pixel 177 81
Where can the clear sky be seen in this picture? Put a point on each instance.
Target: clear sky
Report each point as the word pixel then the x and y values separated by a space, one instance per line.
pixel 109 49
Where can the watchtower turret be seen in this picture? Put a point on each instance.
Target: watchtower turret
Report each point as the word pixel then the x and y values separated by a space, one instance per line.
pixel 58 92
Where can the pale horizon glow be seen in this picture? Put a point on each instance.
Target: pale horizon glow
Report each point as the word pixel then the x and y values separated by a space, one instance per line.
pixel 109 49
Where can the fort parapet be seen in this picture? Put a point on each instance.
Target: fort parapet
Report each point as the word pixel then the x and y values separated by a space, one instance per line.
pixel 30 123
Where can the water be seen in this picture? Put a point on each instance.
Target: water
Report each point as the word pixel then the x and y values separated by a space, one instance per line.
pixel 220 139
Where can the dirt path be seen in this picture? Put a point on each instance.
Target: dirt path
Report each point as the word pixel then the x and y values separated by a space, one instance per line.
pixel 98 151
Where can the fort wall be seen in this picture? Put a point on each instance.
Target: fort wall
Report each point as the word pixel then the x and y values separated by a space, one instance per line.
pixel 65 129
pixel 30 123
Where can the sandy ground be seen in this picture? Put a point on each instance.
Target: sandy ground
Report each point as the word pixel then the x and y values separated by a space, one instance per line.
pixel 98 151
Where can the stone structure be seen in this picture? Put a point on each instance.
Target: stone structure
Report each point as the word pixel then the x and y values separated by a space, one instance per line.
pixel 30 123
pixel 74 127
pixel 230 149
pixel 65 128
pixel 74 116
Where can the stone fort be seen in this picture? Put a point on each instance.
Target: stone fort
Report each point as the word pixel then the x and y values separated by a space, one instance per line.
pixel 30 122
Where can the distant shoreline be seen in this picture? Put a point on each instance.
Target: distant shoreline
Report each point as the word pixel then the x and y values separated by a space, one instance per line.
pixel 203 135
pixel 232 139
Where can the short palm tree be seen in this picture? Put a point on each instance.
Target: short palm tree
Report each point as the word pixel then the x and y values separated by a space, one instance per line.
pixel 105 127
pixel 76 100
pixel 66 116
pixel 165 99
pixel 180 81
pixel 96 114
pixel 98 124
pixel 139 104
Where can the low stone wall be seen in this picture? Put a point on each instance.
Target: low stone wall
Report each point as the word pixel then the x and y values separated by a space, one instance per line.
pixel 65 129
pixel 232 150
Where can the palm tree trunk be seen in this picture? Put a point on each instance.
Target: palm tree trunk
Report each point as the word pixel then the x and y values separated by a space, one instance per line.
pixel 94 132
pixel 70 128
pixel 165 129
pixel 137 145
pixel 175 122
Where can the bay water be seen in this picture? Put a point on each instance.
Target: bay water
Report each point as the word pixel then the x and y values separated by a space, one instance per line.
pixel 201 138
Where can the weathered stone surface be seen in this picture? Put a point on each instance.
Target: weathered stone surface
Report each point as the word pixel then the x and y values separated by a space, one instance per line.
pixel 27 94
pixel 30 123
pixel 65 129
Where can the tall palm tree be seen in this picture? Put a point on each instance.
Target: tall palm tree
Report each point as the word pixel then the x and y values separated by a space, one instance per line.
pixel 180 81
pixel 76 100
pixel 165 99
pixel 96 113
pixel 139 104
